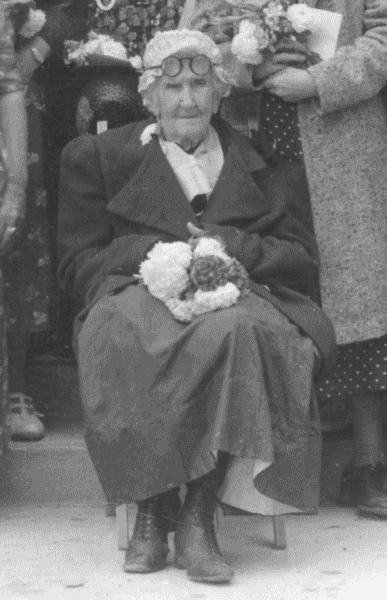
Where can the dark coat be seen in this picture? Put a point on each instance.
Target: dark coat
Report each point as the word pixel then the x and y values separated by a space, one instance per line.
pixel 117 198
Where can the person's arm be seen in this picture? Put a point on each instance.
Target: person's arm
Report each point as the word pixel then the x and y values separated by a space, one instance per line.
pixel 89 252
pixel 358 72
pixel 277 249
pixel 13 127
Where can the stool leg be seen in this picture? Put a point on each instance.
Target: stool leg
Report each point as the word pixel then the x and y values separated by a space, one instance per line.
pixel 122 525
pixel 110 510
pixel 279 532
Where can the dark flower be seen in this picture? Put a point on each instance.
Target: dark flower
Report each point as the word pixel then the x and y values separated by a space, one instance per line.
pixel 208 273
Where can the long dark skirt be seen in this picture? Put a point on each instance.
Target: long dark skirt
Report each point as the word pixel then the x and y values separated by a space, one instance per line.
pixel 161 398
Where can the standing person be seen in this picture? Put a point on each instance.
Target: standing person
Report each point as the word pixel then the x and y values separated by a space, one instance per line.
pixel 230 394
pixel 331 119
pixel 13 127
pixel 28 266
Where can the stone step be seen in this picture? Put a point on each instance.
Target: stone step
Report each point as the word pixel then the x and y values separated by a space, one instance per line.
pixel 58 471
pixel 55 471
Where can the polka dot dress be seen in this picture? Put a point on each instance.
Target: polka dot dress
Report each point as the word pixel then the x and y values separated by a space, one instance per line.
pixel 279 120
pixel 361 367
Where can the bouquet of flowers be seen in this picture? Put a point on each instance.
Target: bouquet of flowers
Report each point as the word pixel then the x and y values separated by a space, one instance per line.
pixel 193 278
pixel 26 19
pixel 259 28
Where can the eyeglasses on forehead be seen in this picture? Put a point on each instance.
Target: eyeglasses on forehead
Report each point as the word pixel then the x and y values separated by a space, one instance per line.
pixel 173 65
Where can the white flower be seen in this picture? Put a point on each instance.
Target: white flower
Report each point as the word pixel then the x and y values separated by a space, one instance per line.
pixel 247 28
pixel 246 49
pixel 223 297
pixel 36 20
pixel 178 252
pixel 112 48
pixel 207 246
pixel 274 10
pixel 165 270
pixel 300 16
pixel 181 310
pixel 136 62
pixel 96 44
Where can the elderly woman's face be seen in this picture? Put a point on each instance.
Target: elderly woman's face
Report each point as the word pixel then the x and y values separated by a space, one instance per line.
pixel 185 105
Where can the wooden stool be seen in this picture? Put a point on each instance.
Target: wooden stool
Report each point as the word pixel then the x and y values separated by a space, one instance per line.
pixel 124 529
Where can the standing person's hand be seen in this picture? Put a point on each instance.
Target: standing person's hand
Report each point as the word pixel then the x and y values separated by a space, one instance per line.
pixel 292 85
pixel 279 62
pixel 12 212
pixel 65 20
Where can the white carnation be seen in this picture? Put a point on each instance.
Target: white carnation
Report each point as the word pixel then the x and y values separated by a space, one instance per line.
pixel 210 246
pixel 136 62
pixel 223 297
pixel 247 28
pixel 181 310
pixel 163 280
pixel 112 48
pixel 300 16
pixel 178 253
pixel 246 49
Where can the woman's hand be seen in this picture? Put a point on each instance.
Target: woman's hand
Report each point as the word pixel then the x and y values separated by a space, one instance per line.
pixel 195 231
pixel 12 213
pixel 292 85
pixel 279 62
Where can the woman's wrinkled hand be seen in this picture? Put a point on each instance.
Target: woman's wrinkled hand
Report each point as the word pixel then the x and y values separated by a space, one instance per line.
pixel 292 85
pixel 195 231
pixel 12 212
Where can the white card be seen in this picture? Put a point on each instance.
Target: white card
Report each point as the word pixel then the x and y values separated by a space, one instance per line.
pixel 326 29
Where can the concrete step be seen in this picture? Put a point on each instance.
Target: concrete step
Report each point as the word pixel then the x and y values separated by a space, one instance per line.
pixel 55 471
pixel 58 471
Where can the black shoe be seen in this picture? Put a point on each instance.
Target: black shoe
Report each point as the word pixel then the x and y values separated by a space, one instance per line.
pixel 148 548
pixel 365 488
pixel 196 546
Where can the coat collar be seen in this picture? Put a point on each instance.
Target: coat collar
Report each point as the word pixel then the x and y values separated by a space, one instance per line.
pixel 153 197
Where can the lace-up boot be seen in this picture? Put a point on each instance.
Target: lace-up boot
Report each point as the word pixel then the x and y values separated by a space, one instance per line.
pixel 156 517
pixel 196 545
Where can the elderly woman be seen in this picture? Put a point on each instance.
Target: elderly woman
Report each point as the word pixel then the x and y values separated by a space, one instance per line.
pixel 224 404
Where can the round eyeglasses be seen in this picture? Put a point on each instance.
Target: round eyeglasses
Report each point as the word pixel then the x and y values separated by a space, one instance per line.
pixel 173 65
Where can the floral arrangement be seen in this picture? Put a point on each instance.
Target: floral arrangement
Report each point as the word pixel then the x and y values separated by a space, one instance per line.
pixel 26 19
pixel 193 278
pixel 81 53
pixel 258 28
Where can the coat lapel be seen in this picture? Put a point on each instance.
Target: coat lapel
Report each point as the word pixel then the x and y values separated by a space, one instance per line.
pixel 236 196
pixel 152 197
